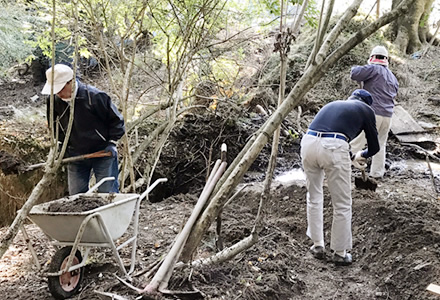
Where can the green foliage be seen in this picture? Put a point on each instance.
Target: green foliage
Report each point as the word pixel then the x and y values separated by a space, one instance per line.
pixel 17 28
pixel 183 26
pixel 44 42
pixel 425 17
pixel 269 11
pixel 64 20
pixel 311 14
pixel 225 70
pixel 274 6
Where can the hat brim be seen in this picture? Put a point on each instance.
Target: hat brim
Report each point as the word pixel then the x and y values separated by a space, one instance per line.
pixel 57 87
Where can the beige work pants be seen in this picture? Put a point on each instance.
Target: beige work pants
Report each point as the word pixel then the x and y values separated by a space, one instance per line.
pixel 377 168
pixel 329 157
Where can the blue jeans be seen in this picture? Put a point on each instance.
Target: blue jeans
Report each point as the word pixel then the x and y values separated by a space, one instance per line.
pixel 79 174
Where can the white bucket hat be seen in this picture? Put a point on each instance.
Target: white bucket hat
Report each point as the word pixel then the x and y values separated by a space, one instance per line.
pixel 379 50
pixel 62 75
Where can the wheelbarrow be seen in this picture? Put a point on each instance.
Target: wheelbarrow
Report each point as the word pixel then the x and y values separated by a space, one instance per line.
pixel 98 227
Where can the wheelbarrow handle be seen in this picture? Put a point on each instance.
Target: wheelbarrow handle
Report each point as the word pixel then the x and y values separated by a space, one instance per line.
pixel 151 187
pixel 97 185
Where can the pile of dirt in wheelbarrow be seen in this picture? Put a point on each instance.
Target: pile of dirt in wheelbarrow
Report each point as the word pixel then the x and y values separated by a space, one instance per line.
pixel 80 204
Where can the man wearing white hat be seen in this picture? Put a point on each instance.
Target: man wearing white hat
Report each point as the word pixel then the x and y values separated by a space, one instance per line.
pixel 378 79
pixel 97 125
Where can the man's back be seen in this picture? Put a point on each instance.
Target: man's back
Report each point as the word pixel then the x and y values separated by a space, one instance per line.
pixel 382 85
pixel 348 117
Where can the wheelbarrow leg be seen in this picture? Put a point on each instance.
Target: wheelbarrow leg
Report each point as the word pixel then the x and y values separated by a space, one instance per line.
pixel 30 247
pixel 136 221
pixel 135 235
pixel 112 244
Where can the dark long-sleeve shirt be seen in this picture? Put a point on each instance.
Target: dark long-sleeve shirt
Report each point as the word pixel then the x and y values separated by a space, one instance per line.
pixel 349 117
pixel 96 123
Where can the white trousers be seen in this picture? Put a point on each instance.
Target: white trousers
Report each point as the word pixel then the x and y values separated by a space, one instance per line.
pixel 383 125
pixel 329 157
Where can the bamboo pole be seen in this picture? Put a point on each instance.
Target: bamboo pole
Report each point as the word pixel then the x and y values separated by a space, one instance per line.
pixel 162 276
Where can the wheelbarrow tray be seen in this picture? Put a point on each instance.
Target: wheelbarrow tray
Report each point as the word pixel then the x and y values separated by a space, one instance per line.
pixel 64 226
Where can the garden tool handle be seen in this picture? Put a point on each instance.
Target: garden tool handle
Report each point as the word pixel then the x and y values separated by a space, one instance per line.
pixel 101 153
pixel 364 176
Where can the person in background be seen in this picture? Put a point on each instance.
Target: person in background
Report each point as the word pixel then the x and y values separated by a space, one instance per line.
pixel 97 125
pixel 325 151
pixel 377 78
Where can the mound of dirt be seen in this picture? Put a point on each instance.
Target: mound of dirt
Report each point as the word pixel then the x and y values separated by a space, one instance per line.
pixel 80 204
pixel 10 164
pixel 194 146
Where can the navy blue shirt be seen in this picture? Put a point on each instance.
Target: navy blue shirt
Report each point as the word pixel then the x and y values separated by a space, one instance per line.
pixel 348 117
pixel 96 120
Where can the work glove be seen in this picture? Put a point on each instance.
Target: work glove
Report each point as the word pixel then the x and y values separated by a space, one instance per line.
pixel 359 161
pixel 112 148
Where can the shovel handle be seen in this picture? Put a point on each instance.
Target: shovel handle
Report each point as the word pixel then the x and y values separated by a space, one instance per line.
pixel 101 153
pixel 364 176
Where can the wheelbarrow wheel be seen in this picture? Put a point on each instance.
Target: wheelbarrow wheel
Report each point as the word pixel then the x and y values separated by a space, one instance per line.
pixel 67 284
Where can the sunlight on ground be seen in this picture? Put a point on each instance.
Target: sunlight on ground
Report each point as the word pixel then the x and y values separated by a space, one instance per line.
pixel 12 262
pixel 18 260
pixel 291 176
pixel 418 166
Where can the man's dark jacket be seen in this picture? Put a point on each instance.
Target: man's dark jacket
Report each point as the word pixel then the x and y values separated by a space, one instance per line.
pixel 96 120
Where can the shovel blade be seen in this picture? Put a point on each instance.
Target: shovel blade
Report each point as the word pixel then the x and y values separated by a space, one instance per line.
pixel 368 184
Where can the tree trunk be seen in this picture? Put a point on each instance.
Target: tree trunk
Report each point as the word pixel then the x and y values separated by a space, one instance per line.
pixel 252 149
pixel 424 33
pixel 410 31
pixel 284 45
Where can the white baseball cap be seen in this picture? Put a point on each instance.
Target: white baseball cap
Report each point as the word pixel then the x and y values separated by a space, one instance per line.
pixel 62 75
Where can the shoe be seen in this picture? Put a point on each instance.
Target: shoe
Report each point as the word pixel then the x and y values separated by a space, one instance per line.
pixel 342 261
pixel 318 252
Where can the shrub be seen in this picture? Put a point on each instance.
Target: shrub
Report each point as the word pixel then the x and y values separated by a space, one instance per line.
pixel 16 31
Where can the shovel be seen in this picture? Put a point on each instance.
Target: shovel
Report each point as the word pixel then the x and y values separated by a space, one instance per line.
pixel 365 183
pixel 101 153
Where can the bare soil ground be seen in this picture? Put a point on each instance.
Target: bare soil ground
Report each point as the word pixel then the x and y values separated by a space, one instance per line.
pixel 396 229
